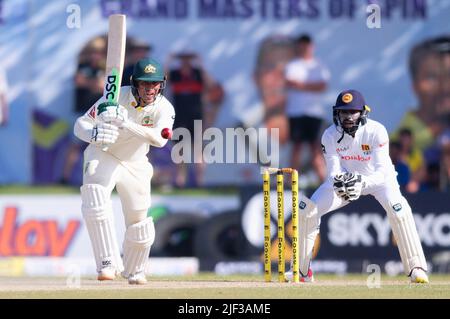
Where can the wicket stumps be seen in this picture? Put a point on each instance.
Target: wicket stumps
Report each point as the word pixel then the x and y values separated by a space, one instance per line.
pixel 280 229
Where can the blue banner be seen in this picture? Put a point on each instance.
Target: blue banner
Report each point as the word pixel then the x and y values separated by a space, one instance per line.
pixel 41 41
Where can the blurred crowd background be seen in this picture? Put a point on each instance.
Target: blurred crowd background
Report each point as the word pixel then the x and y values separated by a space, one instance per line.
pixel 285 76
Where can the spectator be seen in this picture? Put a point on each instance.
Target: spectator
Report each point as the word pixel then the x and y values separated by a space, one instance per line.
pixel 4 109
pixel 445 168
pixel 136 50
pixel 188 80
pixel 306 80
pixel 413 158
pixel 438 165
pixel 401 167
pixel 89 81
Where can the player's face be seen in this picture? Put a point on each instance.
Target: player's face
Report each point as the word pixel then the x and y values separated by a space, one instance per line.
pixel 148 91
pixel 349 118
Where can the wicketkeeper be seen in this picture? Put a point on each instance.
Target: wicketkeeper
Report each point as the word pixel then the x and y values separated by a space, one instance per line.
pixel 120 136
pixel 356 150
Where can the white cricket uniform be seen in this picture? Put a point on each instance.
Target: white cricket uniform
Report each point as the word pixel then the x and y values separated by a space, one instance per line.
pixel 124 164
pixel 303 103
pixel 367 154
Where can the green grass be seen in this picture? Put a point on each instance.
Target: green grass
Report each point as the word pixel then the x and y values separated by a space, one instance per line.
pixel 27 190
pixel 60 189
pixel 210 286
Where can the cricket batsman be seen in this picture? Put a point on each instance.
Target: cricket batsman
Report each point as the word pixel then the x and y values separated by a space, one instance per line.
pixel 120 135
pixel 356 151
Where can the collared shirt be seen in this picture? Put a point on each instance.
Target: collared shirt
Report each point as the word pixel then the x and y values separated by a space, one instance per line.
pixel 143 128
pixel 367 153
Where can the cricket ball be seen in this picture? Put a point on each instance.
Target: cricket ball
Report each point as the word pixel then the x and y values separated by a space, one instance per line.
pixel 166 133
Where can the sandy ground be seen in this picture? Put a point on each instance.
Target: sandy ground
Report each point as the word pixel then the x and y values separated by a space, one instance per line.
pixel 220 287
pixel 52 284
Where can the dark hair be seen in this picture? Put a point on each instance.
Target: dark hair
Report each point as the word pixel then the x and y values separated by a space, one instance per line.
pixel 405 131
pixel 304 38
pixel 395 144
pixel 439 45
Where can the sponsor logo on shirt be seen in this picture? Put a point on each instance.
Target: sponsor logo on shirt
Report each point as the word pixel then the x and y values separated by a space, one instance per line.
pixel 358 158
pixel 342 149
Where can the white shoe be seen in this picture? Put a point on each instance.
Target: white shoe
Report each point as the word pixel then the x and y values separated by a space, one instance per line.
pixel 419 276
pixel 308 278
pixel 137 279
pixel 106 274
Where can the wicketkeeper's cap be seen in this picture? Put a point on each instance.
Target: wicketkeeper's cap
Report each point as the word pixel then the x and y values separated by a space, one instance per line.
pixel 148 70
pixel 350 100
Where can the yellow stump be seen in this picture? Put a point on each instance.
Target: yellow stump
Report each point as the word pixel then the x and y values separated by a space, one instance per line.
pixel 267 244
pixel 295 251
pixel 280 208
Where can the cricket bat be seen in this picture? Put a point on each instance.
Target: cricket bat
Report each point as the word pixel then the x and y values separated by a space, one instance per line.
pixel 115 57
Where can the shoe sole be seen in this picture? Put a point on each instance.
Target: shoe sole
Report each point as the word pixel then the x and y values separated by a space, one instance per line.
pixel 105 277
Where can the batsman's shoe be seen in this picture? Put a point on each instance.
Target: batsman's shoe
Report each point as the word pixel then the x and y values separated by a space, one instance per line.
pixel 419 276
pixel 137 279
pixel 106 274
pixel 308 278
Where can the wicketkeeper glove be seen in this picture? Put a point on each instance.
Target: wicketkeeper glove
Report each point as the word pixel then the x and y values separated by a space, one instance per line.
pixel 339 186
pixel 112 112
pixel 354 185
pixel 348 186
pixel 104 134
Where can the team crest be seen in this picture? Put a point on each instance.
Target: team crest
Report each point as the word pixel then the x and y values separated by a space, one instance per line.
pixel 150 69
pixel 146 121
pixel 366 149
pixel 302 205
pixel 347 98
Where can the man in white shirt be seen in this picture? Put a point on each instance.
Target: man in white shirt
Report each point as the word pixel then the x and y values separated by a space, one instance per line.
pixel 306 80
pixel 356 151
pixel 120 136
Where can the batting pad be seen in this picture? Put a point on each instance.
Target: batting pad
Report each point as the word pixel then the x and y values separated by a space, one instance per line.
pixel 139 238
pixel 404 228
pixel 97 213
pixel 308 228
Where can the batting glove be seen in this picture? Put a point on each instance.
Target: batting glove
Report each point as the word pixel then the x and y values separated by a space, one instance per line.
pixel 104 134
pixel 111 112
